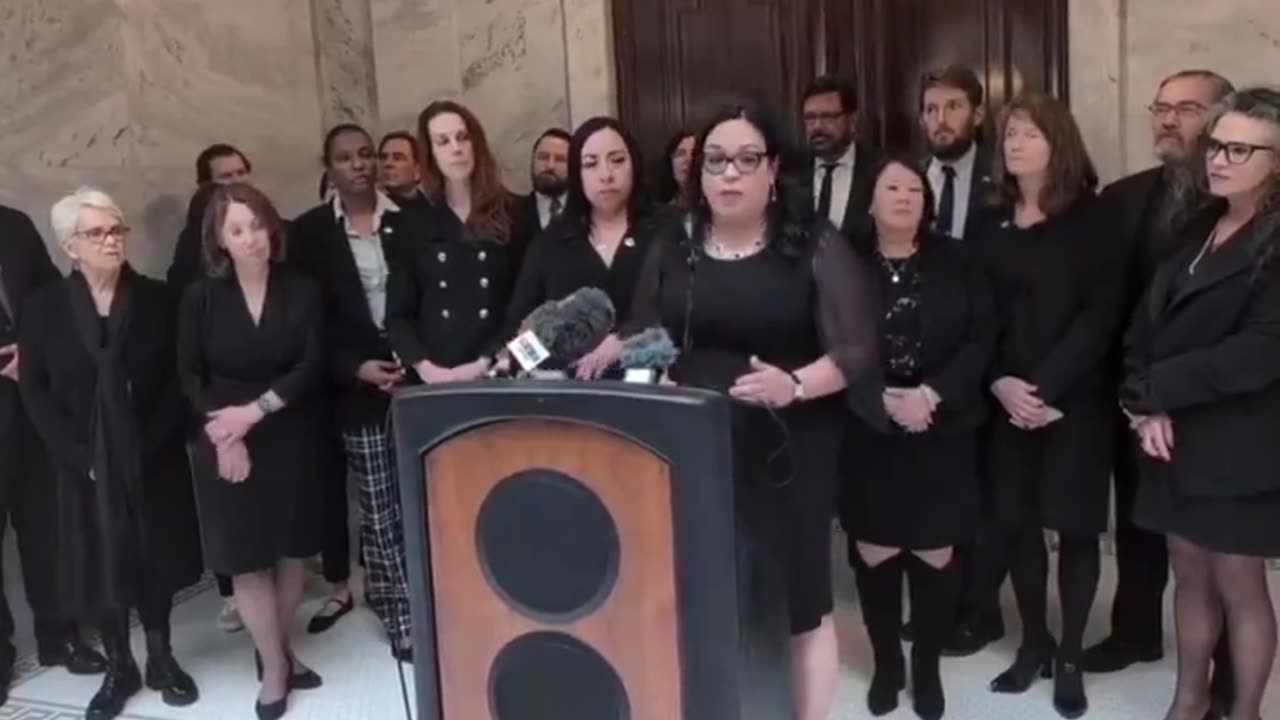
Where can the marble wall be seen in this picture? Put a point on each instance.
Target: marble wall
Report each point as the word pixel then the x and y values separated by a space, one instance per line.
pixel 1120 49
pixel 124 93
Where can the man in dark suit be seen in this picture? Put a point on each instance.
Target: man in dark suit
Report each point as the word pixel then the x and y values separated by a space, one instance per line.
pixel 1140 208
pixel 549 172
pixel 25 480
pixel 842 169
pixel 399 172
pixel 958 167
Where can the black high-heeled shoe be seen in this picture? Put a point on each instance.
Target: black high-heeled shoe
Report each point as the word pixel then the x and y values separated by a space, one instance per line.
pixel 1068 690
pixel 1027 667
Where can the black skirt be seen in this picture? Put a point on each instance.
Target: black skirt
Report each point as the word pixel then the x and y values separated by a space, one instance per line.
pixel 784 463
pixel 1238 526
pixel 277 512
pixel 916 492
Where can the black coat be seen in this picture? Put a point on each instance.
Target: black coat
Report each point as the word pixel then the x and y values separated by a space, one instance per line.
pixel 25 268
pixel 1204 348
pixel 447 292
pixel 60 384
pixel 1058 289
pixel 319 246
pixel 957 335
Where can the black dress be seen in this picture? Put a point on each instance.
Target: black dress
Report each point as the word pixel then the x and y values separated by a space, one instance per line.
pixel 920 491
pixel 446 294
pixel 103 394
pixel 225 359
pixel 788 309
pixel 1058 287
pixel 1204 349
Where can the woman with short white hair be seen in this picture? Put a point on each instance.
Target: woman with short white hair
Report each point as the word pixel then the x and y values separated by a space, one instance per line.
pixel 99 379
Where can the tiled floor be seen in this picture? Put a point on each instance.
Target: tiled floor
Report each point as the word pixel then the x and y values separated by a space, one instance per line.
pixel 361 681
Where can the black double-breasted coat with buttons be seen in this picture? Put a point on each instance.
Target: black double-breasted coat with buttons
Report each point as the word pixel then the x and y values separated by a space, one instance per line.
pixel 448 290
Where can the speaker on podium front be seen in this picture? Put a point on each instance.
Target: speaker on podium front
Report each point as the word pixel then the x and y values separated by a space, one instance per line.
pixel 579 551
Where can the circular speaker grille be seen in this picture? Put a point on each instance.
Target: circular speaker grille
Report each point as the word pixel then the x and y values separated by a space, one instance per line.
pixel 552 676
pixel 547 545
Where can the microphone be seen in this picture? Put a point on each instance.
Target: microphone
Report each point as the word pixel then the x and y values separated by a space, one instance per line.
pixel 646 355
pixel 559 332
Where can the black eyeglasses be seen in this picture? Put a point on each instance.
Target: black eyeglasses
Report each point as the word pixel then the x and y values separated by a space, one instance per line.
pixel 99 235
pixel 1237 153
pixel 746 162
pixel 1184 110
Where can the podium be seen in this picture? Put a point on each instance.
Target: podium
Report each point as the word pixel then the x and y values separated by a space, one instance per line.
pixel 579 551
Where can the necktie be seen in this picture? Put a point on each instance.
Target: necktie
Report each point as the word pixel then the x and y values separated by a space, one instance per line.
pixel 947 202
pixel 556 206
pixel 824 193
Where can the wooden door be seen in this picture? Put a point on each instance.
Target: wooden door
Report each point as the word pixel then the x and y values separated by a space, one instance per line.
pixel 680 60
pixel 887 45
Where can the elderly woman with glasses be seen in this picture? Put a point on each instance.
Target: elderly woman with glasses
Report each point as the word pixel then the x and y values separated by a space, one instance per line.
pixel 99 379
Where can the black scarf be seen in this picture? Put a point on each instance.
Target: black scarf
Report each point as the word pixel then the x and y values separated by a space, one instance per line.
pixel 116 495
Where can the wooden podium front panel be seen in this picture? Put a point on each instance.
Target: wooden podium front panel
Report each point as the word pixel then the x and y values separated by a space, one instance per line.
pixel 635 629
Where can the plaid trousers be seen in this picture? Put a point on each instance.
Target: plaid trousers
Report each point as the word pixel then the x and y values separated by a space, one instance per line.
pixel 371 460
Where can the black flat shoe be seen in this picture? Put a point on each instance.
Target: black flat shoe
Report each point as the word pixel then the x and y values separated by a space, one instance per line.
pixel 321 621
pixel 73 654
pixel 1068 690
pixel 272 711
pixel 402 653
pixel 308 679
pixel 175 686
pixel 1027 667
pixel 971 635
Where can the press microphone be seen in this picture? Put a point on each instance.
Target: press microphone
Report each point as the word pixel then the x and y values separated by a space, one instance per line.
pixel 558 332
pixel 646 355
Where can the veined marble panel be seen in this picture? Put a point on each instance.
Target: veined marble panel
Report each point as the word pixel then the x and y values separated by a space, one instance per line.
pixel 342 34
pixel 589 52
pixel 513 75
pixel 1097 91
pixel 416 56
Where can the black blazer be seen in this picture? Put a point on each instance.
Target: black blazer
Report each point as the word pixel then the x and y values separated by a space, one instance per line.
pixel 447 292
pixel 866 159
pixel 958 333
pixel 1205 349
pixel 25 267
pixel 982 190
pixel 319 247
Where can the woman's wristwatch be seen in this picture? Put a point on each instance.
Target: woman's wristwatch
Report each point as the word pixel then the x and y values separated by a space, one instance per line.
pixel 797 393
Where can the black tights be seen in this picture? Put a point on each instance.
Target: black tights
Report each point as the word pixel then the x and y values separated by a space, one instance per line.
pixel 1078 567
pixel 1208 586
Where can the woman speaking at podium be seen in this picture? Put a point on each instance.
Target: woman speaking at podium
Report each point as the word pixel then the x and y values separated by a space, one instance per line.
pixel 770 306
pixel 599 240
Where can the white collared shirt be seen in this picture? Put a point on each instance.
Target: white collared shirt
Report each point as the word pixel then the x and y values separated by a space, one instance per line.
pixel 544 207
pixel 371 261
pixel 841 183
pixel 963 186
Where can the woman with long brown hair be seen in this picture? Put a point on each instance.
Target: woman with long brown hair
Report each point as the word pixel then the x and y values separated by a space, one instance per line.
pixel 1057 284
pixel 446 295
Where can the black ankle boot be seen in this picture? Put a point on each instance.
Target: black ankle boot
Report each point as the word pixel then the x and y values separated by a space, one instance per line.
pixel 163 674
pixel 933 597
pixel 1068 689
pixel 1030 663
pixel 122 680
pixel 880 592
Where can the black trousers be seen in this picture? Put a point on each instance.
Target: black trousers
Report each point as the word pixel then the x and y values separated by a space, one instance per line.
pixel 27 502
pixel 1142 560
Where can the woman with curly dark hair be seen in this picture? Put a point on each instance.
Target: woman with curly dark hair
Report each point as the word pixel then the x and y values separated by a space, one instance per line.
pixel 771 306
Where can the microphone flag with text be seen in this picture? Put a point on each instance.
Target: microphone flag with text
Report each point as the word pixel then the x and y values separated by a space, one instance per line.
pixel 559 332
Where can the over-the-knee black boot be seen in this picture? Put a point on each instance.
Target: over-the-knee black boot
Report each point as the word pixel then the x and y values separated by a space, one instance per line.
pixel 122 680
pixel 163 672
pixel 880 593
pixel 933 602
